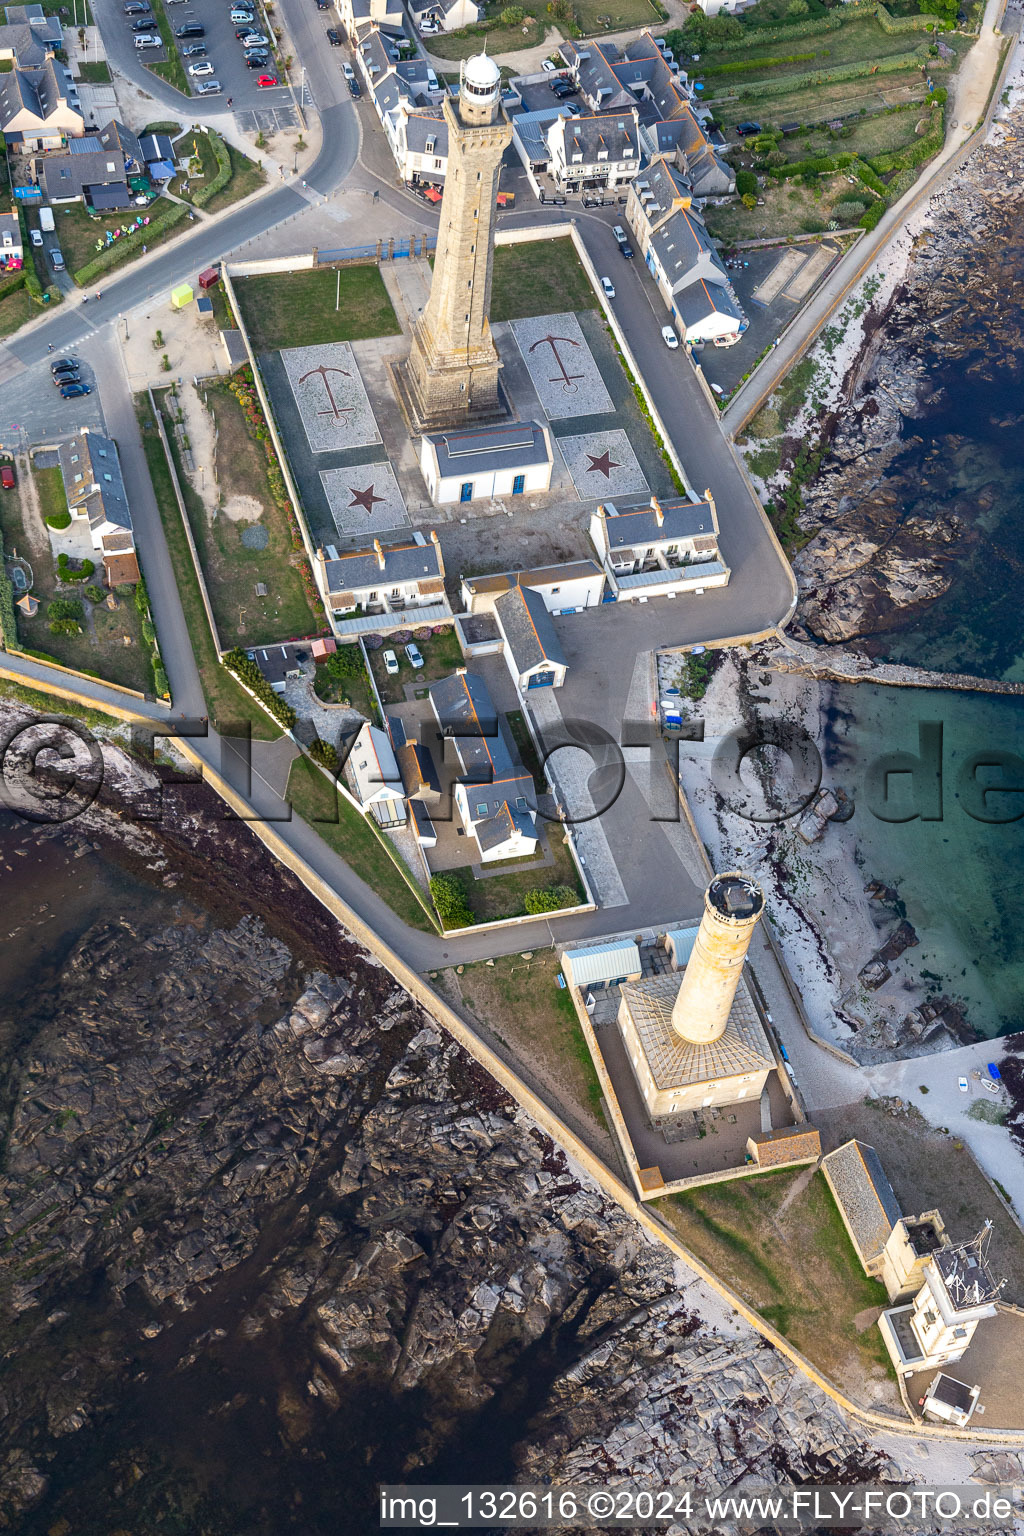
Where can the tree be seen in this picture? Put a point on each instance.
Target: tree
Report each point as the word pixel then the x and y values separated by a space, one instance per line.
pixel 512 16
pixel 553 899
pixel 746 182
pixel 448 894
pixel 64 608
pixel 323 753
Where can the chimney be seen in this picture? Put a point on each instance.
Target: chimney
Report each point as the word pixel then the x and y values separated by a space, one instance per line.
pixel 379 552
pixel 711 503
pixel 440 557
pixel 602 514
pixel 659 516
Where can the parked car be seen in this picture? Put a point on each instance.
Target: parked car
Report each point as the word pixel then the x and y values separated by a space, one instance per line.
pixel 258 59
pixel 323 5
pixel 609 287
pixel 135 7
pixel 353 88
pixel 627 251
pixel 963 1085
pixel 7 476
pixel 747 130
pixel 194 51
pixel 36 236
pixel 200 71
pixel 547 66
pixel 669 337
pixel 191 29
pixel 265 81
pixel 208 88
pixel 56 258
pixel 143 24
pixel 239 16
pixel 148 40
pixel 413 653
pixel 64 362
pixel 74 390
pixel 60 379
pixel 390 663
pixel 255 40
pixel 572 109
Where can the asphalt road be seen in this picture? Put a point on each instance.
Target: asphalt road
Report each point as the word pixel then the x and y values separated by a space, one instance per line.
pixel 222 50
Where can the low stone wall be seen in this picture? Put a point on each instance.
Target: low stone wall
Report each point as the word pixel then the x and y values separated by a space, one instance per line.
pixel 833 664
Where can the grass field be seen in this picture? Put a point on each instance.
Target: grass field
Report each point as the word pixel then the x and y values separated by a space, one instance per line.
pixel 502 895
pixel 77 232
pixel 246 175
pixel 349 833
pixel 15 309
pixel 796 1266
pixel 873 135
pixel 95 73
pixel 101 648
pixel 441 655
pixel 521 1002
pixel 226 703
pixel 541 277
pixel 594 17
pixel 296 309
pixel 232 571
pixel 788 210
pixel 821 103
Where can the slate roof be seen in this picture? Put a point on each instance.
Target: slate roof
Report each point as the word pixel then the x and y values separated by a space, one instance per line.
pixel 639 525
pixel 156 146
pixel 114 135
pixel 680 242
pixel 360 570
pixel 373 764
pixel 423 125
pixel 611 136
pixel 40 91
pixel 498 829
pixel 419 773
pixel 678 1063
pixel 112 197
pixel 531 131
pixel 64 176
pixel 528 629
pixel 488 449
pixel 542 576
pixel 701 300
pixel 864 1195
pixel 92 478
pixel 10 231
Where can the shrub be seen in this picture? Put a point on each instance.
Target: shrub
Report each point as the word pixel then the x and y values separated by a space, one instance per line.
pixel 873 216
pixel 8 627
pixel 223 174
pixel 346 661
pixel 65 608
pixel 148 632
pixel 59 520
pixel 553 899
pixel 65 627
pixel 161 687
pixel 249 673
pixel 323 753
pixel 512 16
pixel 748 200
pixel 448 894
pixel 145 235
pixel 746 181
pixel 855 70
pixel 95 594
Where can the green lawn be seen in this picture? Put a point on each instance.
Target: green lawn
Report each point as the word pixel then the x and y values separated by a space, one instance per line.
pixel 352 835
pixel 540 277
pixel 441 655
pixel 592 17
pixel 797 1267
pixel 352 688
pixel 50 490
pixel 502 895
pixel 15 310
pixel 95 73
pixel 296 309
pixel 246 175
pixel 788 209
pixel 78 231
pixel 820 103
pixel 226 703
pixel 232 571
pixel 876 134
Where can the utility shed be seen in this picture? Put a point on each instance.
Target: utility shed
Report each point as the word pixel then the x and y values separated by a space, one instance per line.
pixel 602 965
pixel 865 1198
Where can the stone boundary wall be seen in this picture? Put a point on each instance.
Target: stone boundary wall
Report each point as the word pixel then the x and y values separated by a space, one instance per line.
pixel 179 498
pixel 86 677
pixel 265 266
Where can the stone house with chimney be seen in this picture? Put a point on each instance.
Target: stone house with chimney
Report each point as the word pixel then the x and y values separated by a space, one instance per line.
pixel 385 586
pixel 659 549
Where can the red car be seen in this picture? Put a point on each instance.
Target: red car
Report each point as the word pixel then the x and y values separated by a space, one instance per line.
pixel 267 80
pixel 7 476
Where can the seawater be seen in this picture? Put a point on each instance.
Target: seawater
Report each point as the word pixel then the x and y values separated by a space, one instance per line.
pixel 960 880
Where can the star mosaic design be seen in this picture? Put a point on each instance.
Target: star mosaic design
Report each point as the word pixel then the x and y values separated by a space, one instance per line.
pixel 603 462
pixel 364 499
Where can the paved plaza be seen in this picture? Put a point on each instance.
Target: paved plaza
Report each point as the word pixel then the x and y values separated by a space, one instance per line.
pixel 365 499
pixel 562 367
pixel 330 397
pixel 602 464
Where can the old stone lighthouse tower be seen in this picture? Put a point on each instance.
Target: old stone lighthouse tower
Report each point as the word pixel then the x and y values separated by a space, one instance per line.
pixel 452 372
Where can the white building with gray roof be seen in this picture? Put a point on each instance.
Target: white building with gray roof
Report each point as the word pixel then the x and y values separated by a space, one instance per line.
pixel 493 793
pixel 533 652
pixel 91 471
pixel 512 459
pixel 594 152
pixel 385 587
pixel 39 108
pixel 662 548
pixel 681 255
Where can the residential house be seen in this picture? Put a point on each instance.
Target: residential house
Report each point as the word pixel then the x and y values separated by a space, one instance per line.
pixel 373 772
pixel 386 586
pixel 12 253
pixel 594 152
pixel 446 15
pixel 493 792
pixel 660 549
pixel 85 171
pixel 401 90
pixel 360 16
pixel 513 459
pixel 91 471
pixel 39 108
pixel 158 155
pixel 418 137
pixel 681 256
pixel 530 139
pixel 533 652
pixel 957 1293
pixel 569 588
pixel 28 36
pixel 117 138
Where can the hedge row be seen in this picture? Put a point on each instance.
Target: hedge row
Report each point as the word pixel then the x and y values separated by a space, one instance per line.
pixel 822 165
pixel 863 170
pixel 855 70
pixel 911 154
pixel 249 673
pixel 894 24
pixel 142 236
pixel 749 64
pixel 224 171
pixel 873 216
pixel 811 28
pixel 8 624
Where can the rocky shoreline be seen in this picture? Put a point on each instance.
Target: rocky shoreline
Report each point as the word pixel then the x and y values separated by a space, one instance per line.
pixel 271 1237
pixel 893 514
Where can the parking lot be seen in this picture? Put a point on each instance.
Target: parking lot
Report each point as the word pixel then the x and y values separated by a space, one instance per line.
pixel 223 50
pixel 32 411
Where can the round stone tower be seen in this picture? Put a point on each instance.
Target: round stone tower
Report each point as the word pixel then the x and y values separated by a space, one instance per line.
pixel 733 904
